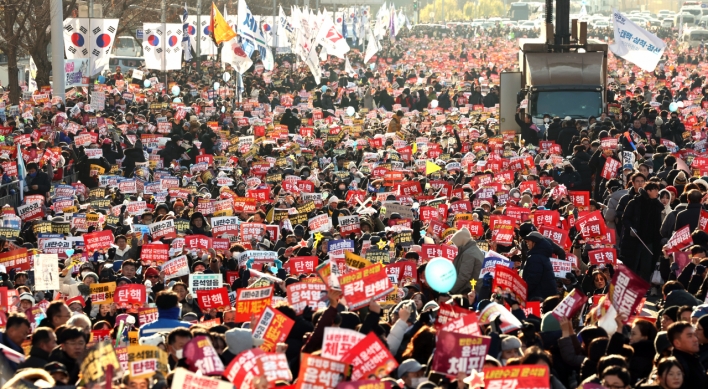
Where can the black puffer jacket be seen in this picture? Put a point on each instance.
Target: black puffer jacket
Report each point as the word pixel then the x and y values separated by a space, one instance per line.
pixel 581 163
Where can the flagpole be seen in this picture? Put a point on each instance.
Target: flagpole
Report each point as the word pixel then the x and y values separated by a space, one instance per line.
pixel 163 20
pixel 199 37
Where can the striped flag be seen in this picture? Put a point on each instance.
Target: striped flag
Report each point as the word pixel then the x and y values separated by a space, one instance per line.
pixel 21 171
pixel 186 46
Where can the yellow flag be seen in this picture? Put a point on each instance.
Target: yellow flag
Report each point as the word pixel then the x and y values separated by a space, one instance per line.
pixel 415 148
pixel 221 32
pixel 431 168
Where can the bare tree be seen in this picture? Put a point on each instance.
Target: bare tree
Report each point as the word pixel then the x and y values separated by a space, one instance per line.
pixel 11 26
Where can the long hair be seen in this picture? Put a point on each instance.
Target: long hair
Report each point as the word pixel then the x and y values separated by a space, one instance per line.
pixel 421 345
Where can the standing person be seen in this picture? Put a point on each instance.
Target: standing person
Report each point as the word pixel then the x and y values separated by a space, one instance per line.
pixel 16 330
pixel 538 270
pixel 37 181
pixel 642 221
pixel 682 337
pixel 468 262
pixel 529 132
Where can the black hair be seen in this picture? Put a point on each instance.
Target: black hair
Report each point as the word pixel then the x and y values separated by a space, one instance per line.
pixel 621 373
pixel 676 329
pixel 69 333
pixel 166 299
pixel 180 332
pixel 41 335
pixel 17 319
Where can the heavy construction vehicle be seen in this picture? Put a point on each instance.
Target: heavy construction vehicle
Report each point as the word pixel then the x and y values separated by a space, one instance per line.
pixel 560 75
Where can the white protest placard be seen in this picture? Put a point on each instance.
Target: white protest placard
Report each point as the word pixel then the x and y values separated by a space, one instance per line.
pixel 137 74
pixel 46 272
pixel 204 282
pixel 636 44
pixel 561 267
pixel 184 378
pixel 320 223
pixel 338 341
pixel 176 267
pixel 98 101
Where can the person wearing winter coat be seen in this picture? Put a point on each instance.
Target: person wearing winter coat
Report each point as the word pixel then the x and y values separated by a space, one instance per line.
pixel 468 262
pixel 568 176
pixel 613 187
pixel 395 124
pixel 538 270
pixel 580 162
pixel 168 314
pixel 529 132
pixel 172 151
pixel 642 221
pixel 690 215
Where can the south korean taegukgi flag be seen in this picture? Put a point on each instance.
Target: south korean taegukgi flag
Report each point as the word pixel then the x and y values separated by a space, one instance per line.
pixel 76 38
pixel 153 45
pixel 207 46
pixel 173 46
pixel 102 35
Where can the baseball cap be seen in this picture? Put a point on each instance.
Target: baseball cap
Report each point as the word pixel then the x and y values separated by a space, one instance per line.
pixel 409 366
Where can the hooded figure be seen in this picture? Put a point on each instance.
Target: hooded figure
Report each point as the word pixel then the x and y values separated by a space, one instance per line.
pixel 538 270
pixel 468 262
pixel 198 224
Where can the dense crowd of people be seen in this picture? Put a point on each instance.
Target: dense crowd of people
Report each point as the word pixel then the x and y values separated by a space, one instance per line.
pixel 376 228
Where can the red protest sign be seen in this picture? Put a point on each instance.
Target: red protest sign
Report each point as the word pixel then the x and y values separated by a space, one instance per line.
pixel 476 228
pixel 130 295
pixel 98 240
pixel 557 235
pixel 546 218
pixel 318 372
pixel 626 290
pixel 703 220
pixel 402 272
pixel 370 357
pixel 300 265
pixel 273 327
pixel 200 354
pixel 360 286
pixel 15 259
pixel 146 315
pixel 448 313
pixel 609 170
pixel 459 353
pixel 580 199
pixel 508 280
pixel 194 242
pixel 467 324
pixel 571 304
pixel 591 225
pixel 603 256
pixel 252 302
pixel 679 240
pixel 517 377
pixel 30 211
pixel 303 294
pixel 213 299
pixel 156 253
pixel 240 371
pixel 349 225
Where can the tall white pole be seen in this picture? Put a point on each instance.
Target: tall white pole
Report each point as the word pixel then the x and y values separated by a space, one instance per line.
pixel 58 87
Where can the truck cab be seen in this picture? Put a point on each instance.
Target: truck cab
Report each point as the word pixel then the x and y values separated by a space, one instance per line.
pixel 556 79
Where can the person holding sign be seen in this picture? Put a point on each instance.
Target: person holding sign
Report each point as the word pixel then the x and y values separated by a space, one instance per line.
pixel 37 181
pixel 538 271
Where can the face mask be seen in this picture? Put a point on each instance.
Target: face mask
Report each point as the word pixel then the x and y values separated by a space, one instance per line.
pixel 546 120
pixel 179 354
pixel 417 381
pixel 33 174
pixel 234 255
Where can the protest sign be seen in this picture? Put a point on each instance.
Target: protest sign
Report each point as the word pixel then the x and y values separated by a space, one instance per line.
pixel 517 377
pixel 300 265
pixel 204 281
pixel 635 44
pixel 101 240
pixel 200 354
pixel 102 293
pixel 561 267
pixel 156 253
pixel 338 341
pixel 602 257
pixel 185 379
pixel 466 324
pixel 679 240
pixel 217 298
pixel 304 294
pixel 508 281
pixel 273 327
pixel 402 272
pixel 15 259
pixel 320 223
pixel 370 357
pixel 30 211
pixel 176 267
pixel 626 291
pixel 163 230
pixel 45 272
pixel 493 311
pixel 131 295
pixel 252 302
pixel 97 360
pixel 360 286
pixel 319 372
pixel 448 313
pixel 349 225
pixel 274 367
pixel 491 260
pixel 459 353
pixel 144 361
pixel 146 315
pixel 570 305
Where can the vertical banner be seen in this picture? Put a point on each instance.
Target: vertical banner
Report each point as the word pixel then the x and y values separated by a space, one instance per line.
pixel 153 45
pixel 173 46
pixel 102 36
pixel 76 44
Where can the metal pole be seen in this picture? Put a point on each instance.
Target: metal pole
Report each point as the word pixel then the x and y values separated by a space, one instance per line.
pixel 163 20
pixel 90 5
pixel 274 28
pixel 57 12
pixel 199 37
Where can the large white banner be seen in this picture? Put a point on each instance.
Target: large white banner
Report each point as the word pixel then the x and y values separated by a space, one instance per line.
pixel 153 45
pixel 331 40
pixel 636 44
pixel 207 46
pixel 102 35
pixel 173 46
pixel 233 54
pixel 76 72
pixel 76 44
